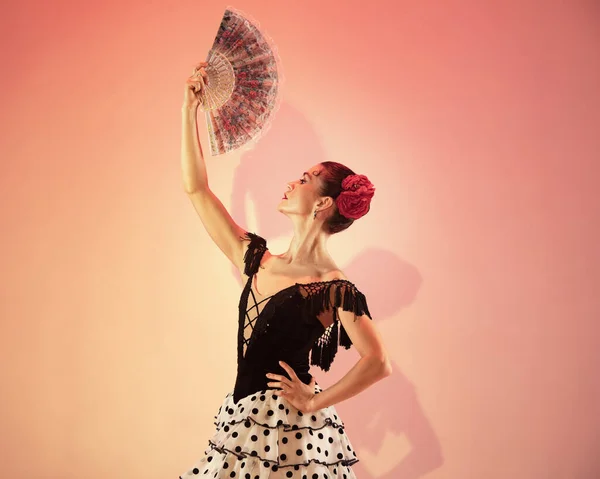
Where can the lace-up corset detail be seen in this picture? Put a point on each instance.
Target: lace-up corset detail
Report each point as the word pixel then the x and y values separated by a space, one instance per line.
pixel 254 309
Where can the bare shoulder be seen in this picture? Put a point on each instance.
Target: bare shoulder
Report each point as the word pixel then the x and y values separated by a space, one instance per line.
pixel 335 274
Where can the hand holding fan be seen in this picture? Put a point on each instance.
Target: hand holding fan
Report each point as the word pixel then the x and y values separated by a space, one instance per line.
pixel 241 84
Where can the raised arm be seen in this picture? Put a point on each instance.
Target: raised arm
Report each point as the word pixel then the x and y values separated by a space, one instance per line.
pixel 219 224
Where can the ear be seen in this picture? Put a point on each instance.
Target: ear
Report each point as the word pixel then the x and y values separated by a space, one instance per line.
pixel 325 203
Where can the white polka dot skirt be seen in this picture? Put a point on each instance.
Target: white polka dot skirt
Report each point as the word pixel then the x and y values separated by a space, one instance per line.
pixel 264 436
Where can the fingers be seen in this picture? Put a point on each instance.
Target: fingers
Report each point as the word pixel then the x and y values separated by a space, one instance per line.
pixel 280 379
pixel 195 85
pixel 288 370
pixel 199 66
pixel 278 386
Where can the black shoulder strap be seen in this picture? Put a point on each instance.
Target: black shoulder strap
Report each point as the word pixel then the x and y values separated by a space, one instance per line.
pixel 331 296
pixel 254 253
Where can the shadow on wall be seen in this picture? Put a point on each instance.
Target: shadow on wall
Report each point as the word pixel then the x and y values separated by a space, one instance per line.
pixel 390 408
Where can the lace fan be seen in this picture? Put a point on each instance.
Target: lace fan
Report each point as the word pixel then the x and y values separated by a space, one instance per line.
pixel 243 79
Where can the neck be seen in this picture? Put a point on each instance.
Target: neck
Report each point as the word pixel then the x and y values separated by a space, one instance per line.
pixel 309 244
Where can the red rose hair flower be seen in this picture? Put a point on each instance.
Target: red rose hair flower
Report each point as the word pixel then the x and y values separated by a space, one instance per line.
pixel 355 199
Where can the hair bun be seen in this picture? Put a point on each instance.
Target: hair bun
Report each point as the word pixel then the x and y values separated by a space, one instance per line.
pixel 355 199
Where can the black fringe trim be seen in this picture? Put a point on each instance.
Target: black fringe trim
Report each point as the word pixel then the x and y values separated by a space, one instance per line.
pixel 254 253
pixel 244 455
pixel 286 426
pixel 346 296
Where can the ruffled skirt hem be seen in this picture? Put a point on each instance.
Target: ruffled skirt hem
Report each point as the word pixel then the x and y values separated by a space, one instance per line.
pixel 263 436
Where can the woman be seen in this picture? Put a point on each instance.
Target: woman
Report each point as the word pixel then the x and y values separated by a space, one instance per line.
pixel 278 422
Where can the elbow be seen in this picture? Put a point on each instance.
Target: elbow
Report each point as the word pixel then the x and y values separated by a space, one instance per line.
pixel 386 368
pixel 382 366
pixel 192 189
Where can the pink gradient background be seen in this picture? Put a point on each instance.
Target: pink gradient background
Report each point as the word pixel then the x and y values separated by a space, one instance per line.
pixel 478 122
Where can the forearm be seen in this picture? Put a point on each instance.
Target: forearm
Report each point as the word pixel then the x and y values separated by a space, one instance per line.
pixel 192 160
pixel 363 374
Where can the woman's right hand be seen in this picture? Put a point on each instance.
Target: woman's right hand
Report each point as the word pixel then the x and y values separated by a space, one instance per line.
pixel 194 88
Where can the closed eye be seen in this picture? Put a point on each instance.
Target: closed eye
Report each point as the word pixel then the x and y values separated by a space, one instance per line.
pixel 302 181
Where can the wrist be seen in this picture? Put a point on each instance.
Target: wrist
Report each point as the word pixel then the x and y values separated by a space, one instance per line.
pixel 189 109
pixel 313 405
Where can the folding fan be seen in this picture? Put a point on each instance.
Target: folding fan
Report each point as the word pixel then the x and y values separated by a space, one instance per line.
pixel 242 84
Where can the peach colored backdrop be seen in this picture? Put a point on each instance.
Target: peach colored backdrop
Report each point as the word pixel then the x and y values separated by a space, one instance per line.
pixel 478 124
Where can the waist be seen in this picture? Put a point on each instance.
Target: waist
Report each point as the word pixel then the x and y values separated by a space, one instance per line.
pixel 251 375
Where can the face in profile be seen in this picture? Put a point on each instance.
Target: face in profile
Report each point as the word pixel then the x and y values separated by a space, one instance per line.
pixel 302 194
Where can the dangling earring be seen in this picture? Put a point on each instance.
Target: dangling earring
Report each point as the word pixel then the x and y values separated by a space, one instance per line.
pixel 315 215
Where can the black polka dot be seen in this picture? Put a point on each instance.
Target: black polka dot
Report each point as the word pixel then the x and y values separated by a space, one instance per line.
pixel 320 435
pixel 315 476
pixel 254 453
pixel 348 447
pixel 226 428
pixel 247 423
pixel 289 474
pixel 309 446
pixel 326 453
pixel 295 427
pixel 280 422
pixel 248 476
pixel 319 450
pixel 232 474
pixel 267 448
pixel 298 435
pixel 262 398
pixel 274 396
pixel 275 468
pixel 225 465
pixel 266 464
pixel 340 455
pixel 299 452
pixel 341 430
pixel 255 411
pixel 314 418
pixel 234 434
pixel 230 411
pixel 254 437
pixel 195 470
pixel 253 398
pixel 330 440
pixel 282 407
pixel 283 457
pixel 266 432
pixel 209 458
pixel 287 411
pixel 285 440
pixel 270 412
pixel 238 448
pixel 300 413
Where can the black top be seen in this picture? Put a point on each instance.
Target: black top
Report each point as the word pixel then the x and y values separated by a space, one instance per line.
pixel 289 325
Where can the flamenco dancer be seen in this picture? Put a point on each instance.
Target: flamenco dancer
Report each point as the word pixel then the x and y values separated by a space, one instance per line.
pixel 295 308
